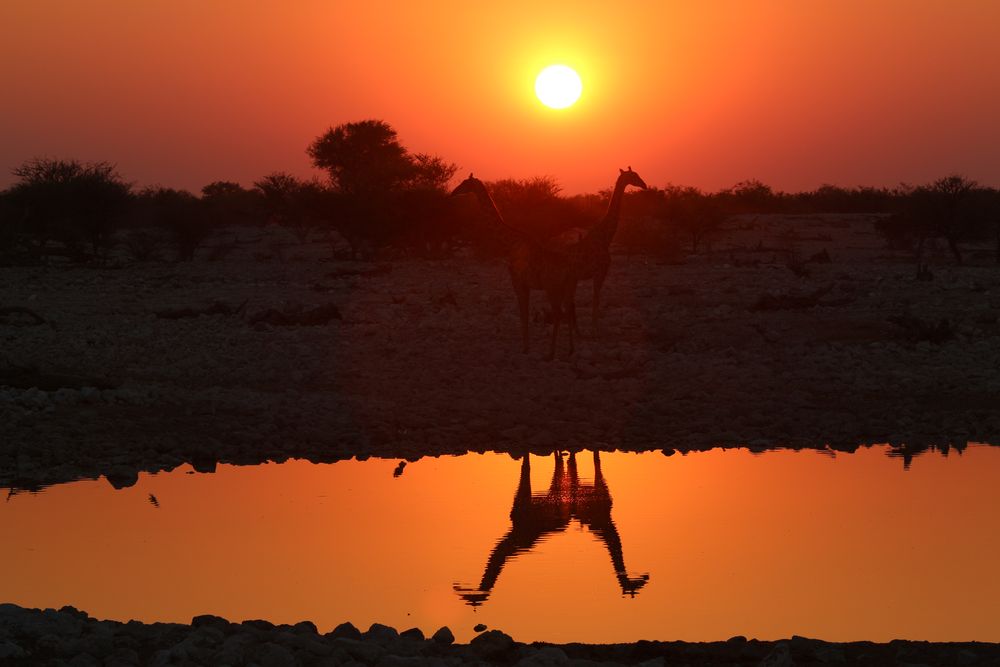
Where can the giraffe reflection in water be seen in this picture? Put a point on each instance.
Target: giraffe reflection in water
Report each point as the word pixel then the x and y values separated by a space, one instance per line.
pixel 535 516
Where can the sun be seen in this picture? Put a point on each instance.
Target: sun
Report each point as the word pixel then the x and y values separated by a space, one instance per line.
pixel 558 86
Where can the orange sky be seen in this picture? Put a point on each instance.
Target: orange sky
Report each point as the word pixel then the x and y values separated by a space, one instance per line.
pixel 793 93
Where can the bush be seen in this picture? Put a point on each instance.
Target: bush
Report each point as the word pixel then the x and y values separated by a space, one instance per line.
pixel 68 202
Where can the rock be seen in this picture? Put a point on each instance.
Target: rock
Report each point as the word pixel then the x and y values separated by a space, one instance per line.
pixel 492 645
pixel 305 628
pixel 9 651
pixel 829 654
pixel 780 656
pixel 209 621
pixel 121 477
pixel 443 636
pixel 271 655
pixel 345 630
pixel 122 657
pixel 548 655
pixel 479 627
pixel 366 652
pixel 381 634
pixel 412 633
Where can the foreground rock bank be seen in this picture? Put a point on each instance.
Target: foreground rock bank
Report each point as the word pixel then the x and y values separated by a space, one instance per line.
pixel 70 637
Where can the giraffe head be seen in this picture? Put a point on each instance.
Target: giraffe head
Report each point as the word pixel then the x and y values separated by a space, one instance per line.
pixel 470 186
pixel 629 177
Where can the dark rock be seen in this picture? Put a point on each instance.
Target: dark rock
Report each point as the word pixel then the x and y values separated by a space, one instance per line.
pixel 492 645
pixel 122 657
pixel 780 656
pixel 11 651
pixel 305 628
pixel 84 660
pixel 121 477
pixel 479 627
pixel 412 633
pixel 345 630
pixel 257 624
pixel 209 621
pixel 545 656
pixel 272 655
pixel 443 636
pixel 367 652
pixel 381 634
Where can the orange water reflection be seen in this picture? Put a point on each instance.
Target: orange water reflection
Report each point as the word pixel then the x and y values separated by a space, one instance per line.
pixel 843 548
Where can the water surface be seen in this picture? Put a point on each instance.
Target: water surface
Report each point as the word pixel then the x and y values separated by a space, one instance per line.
pixel 632 546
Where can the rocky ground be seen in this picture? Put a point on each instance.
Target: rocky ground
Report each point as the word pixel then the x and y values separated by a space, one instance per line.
pixel 255 356
pixel 69 637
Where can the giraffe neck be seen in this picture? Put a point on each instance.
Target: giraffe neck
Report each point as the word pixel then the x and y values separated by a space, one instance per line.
pixel 605 230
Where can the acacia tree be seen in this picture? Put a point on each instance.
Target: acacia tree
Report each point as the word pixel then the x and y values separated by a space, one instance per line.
pixel 291 202
pixel 379 191
pixel 365 158
pixel 70 201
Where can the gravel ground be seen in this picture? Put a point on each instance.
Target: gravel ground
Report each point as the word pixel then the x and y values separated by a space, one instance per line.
pixel 424 358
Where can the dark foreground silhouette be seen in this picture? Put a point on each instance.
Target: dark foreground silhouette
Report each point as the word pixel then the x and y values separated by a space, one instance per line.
pixel 535 517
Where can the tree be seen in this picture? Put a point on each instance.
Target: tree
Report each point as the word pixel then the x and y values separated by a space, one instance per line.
pixel 292 202
pixel 70 201
pixel 365 158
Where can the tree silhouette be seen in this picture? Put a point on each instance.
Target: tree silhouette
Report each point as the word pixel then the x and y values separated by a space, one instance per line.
pixel 365 158
pixel 291 202
pixel 70 201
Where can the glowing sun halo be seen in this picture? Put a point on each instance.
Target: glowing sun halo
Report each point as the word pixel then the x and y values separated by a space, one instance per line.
pixel 558 86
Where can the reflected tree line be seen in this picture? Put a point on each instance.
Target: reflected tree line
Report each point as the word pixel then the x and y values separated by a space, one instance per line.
pixel 536 517
pixel 377 197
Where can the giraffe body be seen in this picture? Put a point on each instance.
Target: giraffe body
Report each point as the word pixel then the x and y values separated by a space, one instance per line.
pixel 532 266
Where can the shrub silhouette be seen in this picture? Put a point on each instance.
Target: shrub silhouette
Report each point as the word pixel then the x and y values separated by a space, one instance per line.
pixel 379 193
pixel 68 202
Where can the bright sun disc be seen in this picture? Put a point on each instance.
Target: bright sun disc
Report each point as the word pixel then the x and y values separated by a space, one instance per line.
pixel 558 86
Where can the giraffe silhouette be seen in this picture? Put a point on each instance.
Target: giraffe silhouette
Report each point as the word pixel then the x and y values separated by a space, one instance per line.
pixel 533 517
pixel 592 253
pixel 532 265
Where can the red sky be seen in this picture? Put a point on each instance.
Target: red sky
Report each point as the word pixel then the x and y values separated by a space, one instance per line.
pixel 796 94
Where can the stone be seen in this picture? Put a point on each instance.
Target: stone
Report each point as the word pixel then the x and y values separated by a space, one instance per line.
pixel 345 630
pixel 780 656
pixel 381 634
pixel 271 655
pixel 479 627
pixel 366 652
pixel 492 645
pixel 9 651
pixel 305 627
pixel 548 655
pixel 207 620
pixel 412 633
pixel 443 636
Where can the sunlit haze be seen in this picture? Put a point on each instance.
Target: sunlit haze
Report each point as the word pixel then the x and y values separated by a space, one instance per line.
pixel 794 94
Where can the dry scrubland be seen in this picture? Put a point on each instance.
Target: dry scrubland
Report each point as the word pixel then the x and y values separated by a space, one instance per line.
pixel 732 347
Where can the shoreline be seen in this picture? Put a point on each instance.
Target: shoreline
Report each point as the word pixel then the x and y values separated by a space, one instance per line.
pixel 70 636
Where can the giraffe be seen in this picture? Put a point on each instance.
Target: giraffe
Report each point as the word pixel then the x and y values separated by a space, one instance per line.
pixel 532 265
pixel 592 253
pixel 533 517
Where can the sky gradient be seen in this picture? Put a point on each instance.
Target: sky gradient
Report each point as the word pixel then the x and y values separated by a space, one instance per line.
pixel 181 93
